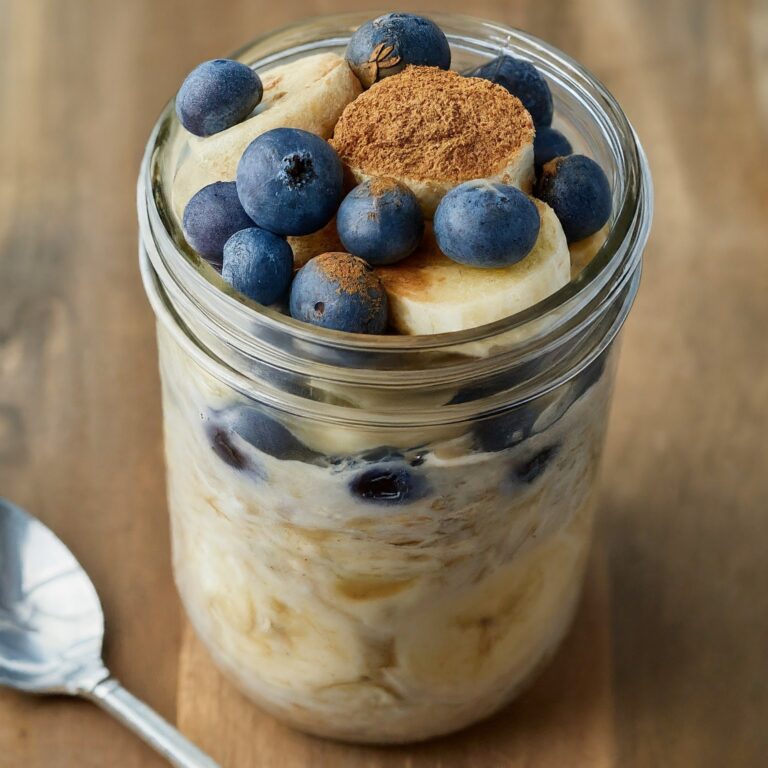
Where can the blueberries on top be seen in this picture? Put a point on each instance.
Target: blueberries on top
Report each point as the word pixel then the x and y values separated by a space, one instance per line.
pixel 380 221
pixel 388 44
pixel 486 224
pixel 577 190
pixel 211 217
pixel 290 181
pixel 339 291
pixel 217 95
pixel 523 80
pixel 259 264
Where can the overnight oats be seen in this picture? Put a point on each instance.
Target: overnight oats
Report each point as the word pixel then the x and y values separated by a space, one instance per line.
pixel 389 261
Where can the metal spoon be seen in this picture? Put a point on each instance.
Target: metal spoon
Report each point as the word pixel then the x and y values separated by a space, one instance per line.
pixel 52 628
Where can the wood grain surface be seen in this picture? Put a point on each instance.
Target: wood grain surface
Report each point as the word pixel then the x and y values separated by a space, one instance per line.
pixel 668 662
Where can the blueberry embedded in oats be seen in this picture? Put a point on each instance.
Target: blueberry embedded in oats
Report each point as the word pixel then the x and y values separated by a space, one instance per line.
pixel 211 217
pixel 220 439
pixel 506 430
pixel 530 470
pixel 513 427
pixel 388 44
pixel 237 429
pixel 521 79
pixel 557 403
pixel 389 483
pixel 217 95
pixel 290 181
pixel 548 144
pixel 258 264
pixel 339 291
pixel 380 221
pixel 577 190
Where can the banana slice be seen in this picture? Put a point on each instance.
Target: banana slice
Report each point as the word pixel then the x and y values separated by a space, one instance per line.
pixel 432 129
pixel 496 629
pixel 309 93
pixel 517 171
pixel 429 293
pixel 583 251
pixel 306 247
pixel 258 618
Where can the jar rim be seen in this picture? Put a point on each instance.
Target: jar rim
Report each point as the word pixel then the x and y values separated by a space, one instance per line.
pixel 566 310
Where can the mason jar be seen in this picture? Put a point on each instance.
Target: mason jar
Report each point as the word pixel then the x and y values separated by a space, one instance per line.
pixel 383 538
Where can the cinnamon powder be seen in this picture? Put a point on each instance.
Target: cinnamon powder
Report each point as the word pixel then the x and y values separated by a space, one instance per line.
pixel 353 275
pixel 380 185
pixel 431 124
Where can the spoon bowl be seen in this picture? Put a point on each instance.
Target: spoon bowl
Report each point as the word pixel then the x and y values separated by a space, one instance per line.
pixel 52 630
pixel 51 622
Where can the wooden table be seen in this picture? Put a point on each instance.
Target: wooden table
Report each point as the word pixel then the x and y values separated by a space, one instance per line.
pixel 668 662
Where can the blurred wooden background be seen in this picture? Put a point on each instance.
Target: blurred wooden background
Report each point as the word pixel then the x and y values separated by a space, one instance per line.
pixel 668 662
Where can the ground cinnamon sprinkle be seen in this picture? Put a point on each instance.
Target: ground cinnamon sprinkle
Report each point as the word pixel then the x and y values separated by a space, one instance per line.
pixel 381 184
pixel 353 275
pixel 343 268
pixel 428 123
pixel 413 276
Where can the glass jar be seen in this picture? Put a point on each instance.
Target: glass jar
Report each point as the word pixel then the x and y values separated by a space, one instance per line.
pixel 381 539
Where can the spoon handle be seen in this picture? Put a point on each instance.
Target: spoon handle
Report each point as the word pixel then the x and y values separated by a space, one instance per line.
pixel 110 695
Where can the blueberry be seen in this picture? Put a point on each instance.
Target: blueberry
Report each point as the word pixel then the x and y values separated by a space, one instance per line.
pixel 388 44
pixel 231 432
pixel 556 403
pixel 549 144
pixel 225 445
pixel 500 382
pixel 523 80
pixel 388 484
pixel 211 217
pixel 258 264
pixel 380 221
pixel 506 430
pixel 290 181
pixel 340 291
pixel 530 470
pixel 486 224
pixel 577 190
pixel 217 95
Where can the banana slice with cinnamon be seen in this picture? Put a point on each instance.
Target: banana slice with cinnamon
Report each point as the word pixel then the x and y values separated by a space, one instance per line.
pixel 429 293
pixel 432 129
